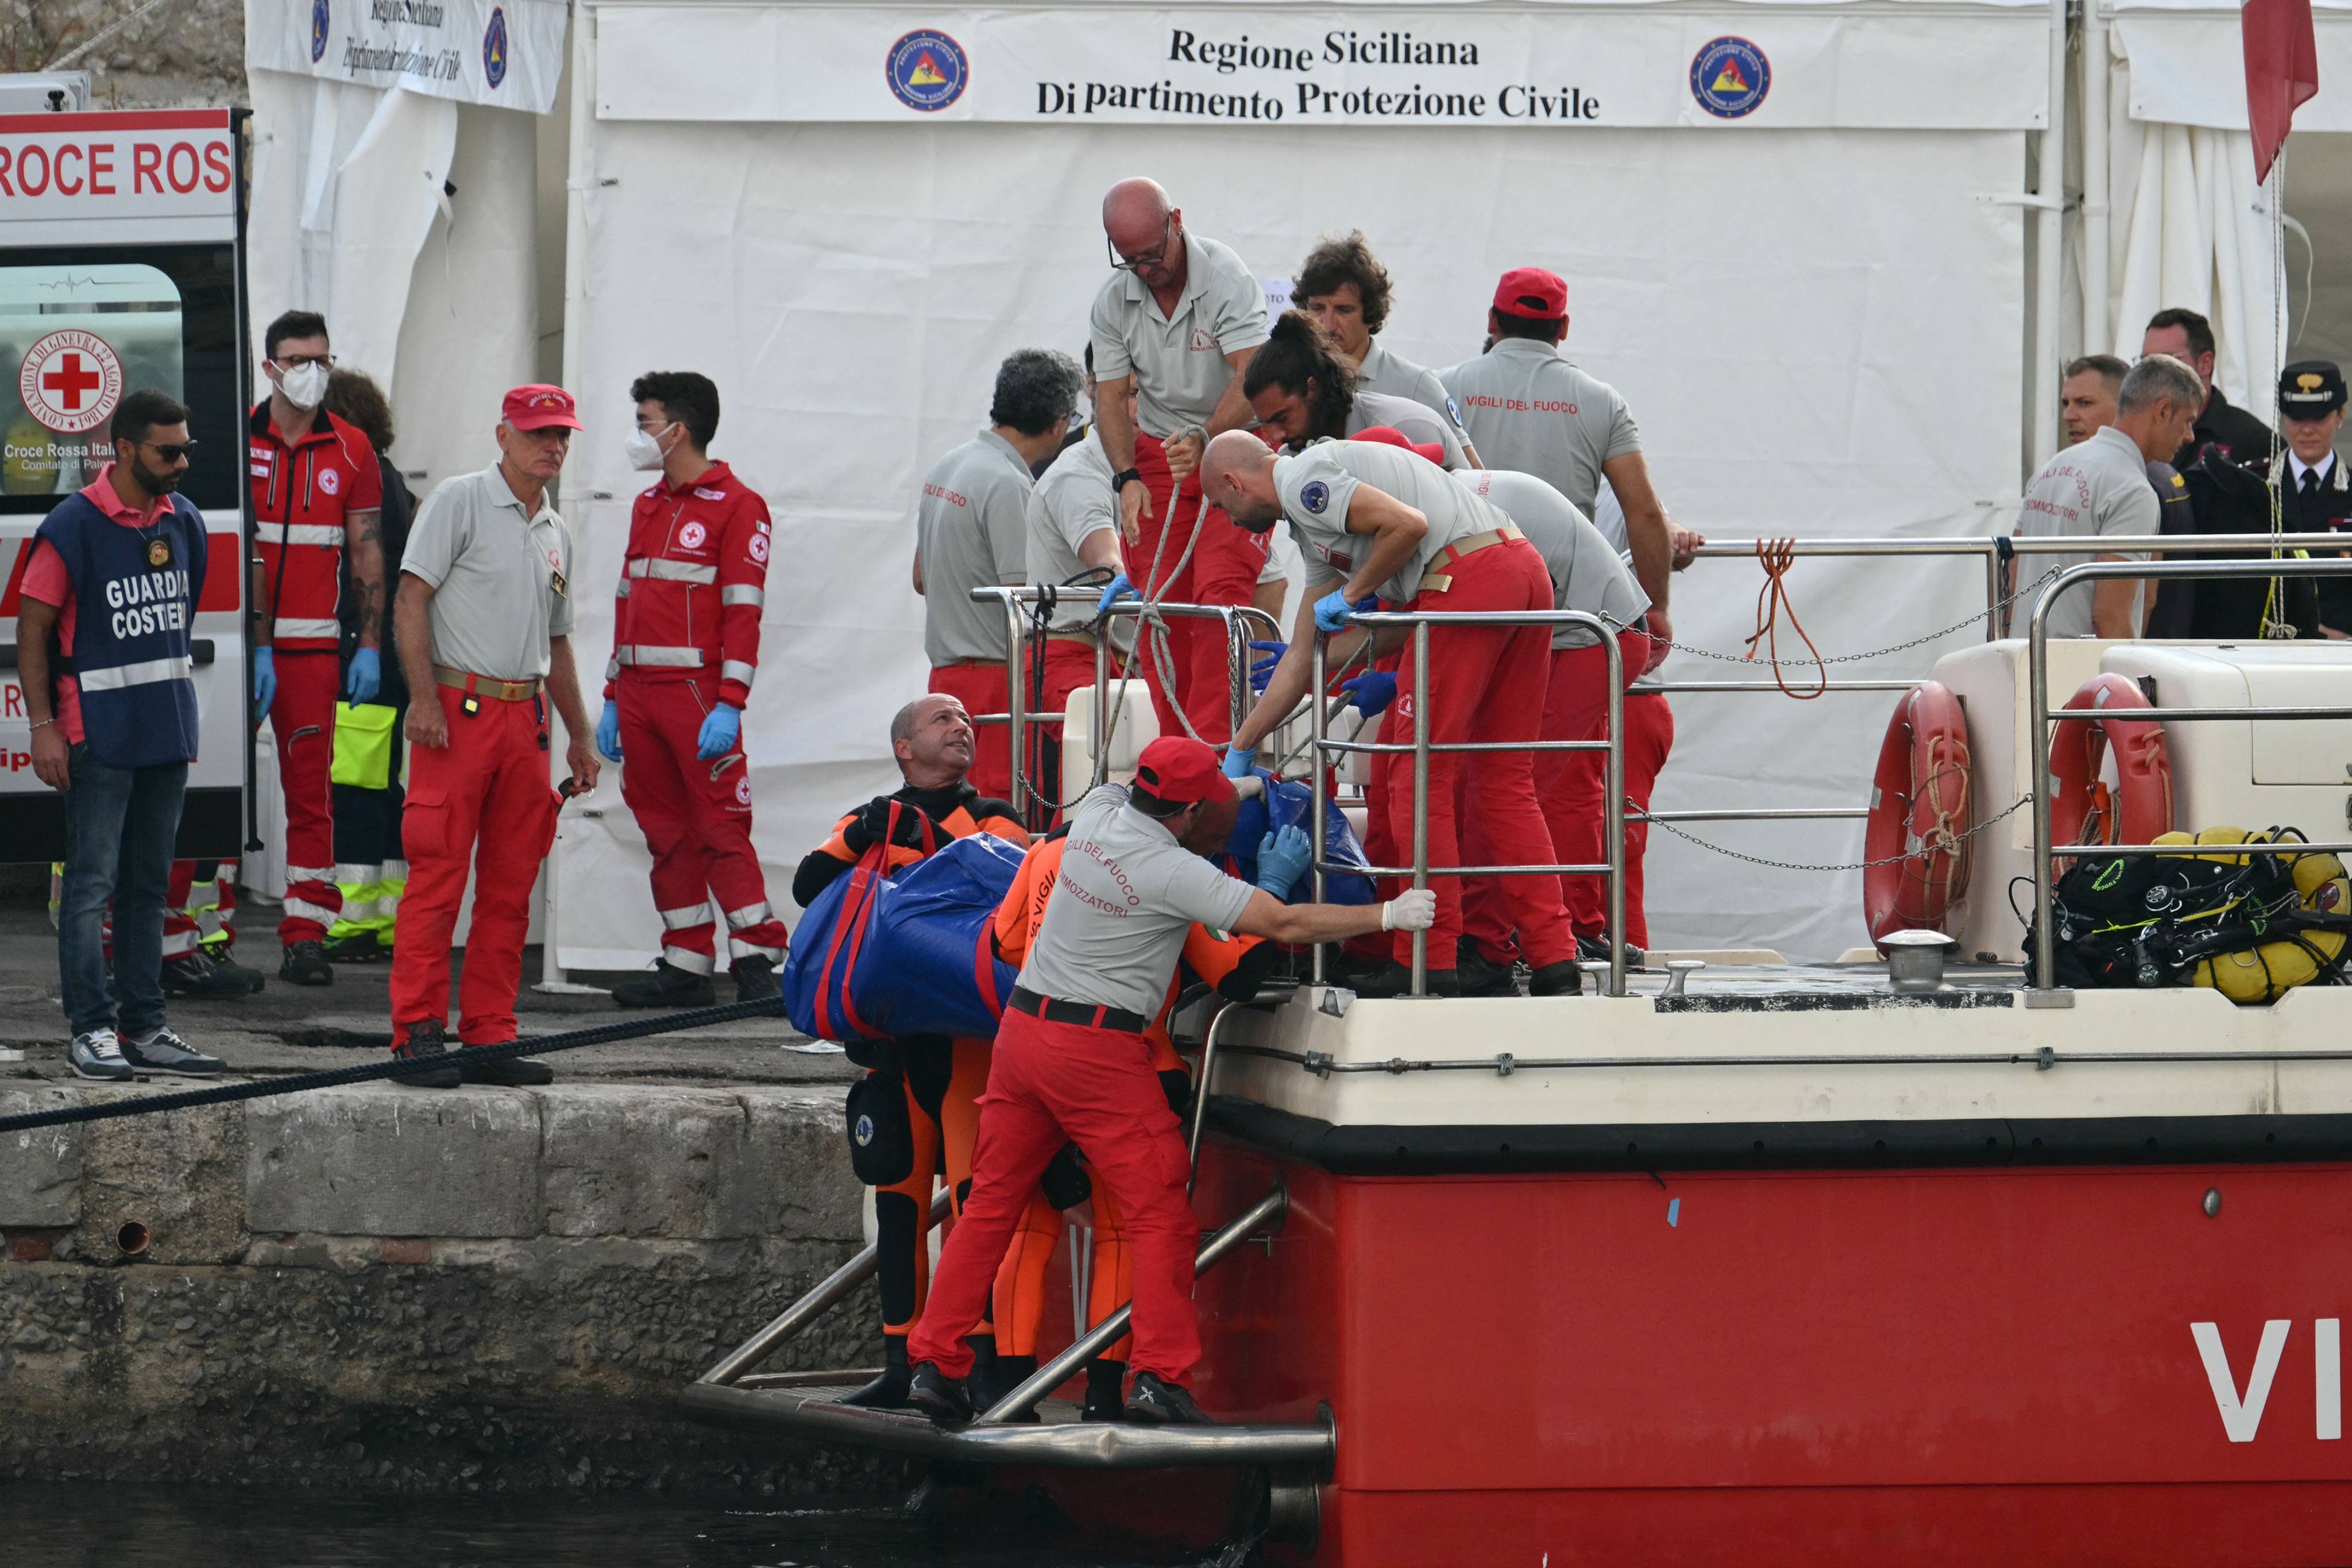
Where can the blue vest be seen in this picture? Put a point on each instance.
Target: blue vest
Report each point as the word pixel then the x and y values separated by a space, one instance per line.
pixel 133 625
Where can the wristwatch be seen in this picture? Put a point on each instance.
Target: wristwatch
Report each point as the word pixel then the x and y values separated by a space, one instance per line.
pixel 1121 480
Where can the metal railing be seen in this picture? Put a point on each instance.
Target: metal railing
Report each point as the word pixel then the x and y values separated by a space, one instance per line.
pixel 2045 992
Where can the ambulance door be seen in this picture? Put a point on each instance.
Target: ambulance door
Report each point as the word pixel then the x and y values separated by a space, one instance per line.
pixel 81 324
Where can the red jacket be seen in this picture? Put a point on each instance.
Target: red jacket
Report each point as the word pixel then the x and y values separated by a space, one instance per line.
pixel 301 495
pixel 692 586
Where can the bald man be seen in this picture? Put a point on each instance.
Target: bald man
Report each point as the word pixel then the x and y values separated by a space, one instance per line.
pixel 1176 321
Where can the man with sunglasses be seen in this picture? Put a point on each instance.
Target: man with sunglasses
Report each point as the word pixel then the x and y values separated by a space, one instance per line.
pixel 318 493
pixel 105 658
pixel 1177 321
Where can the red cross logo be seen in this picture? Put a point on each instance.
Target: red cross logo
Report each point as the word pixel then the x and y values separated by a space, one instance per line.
pixel 71 381
pixel 72 378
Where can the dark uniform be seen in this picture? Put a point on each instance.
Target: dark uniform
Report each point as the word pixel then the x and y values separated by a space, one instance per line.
pixel 2241 437
pixel 2231 498
pixel 2176 597
pixel 2320 499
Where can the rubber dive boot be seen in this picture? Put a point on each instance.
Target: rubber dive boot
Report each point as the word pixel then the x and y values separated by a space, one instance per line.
pixel 666 986
pixel 1105 1392
pixel 939 1396
pixel 1158 1402
pixel 888 1391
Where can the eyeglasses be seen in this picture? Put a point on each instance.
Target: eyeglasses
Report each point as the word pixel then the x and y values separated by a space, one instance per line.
pixel 1151 258
pixel 177 451
pixel 297 362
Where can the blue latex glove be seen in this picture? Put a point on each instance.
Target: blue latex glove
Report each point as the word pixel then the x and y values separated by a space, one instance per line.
pixel 265 679
pixel 1238 763
pixel 608 732
pixel 1332 610
pixel 718 732
pixel 1281 859
pixel 366 677
pixel 1262 670
pixel 1115 588
pixel 1370 692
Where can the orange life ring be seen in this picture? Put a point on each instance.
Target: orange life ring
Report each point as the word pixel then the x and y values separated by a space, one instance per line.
pixel 2082 810
pixel 1919 804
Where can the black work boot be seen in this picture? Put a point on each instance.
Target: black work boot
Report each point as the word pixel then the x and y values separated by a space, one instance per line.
pixel 1394 979
pixel 428 1046
pixel 1595 950
pixel 199 976
pixel 1479 976
pixel 508 1072
pixel 1561 979
pixel 939 1397
pixel 354 947
pixel 1105 1392
pixel 755 979
pixel 666 986
pixel 1002 1374
pixel 305 964
pixel 1158 1402
pixel 888 1391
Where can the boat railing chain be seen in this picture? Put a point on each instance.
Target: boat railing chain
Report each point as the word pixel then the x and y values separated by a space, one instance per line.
pixel 2011 809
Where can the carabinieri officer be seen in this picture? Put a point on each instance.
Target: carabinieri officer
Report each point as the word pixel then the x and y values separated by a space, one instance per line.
pixel 1072 1063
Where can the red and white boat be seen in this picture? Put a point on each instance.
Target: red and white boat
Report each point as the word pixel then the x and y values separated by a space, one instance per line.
pixel 1772 1263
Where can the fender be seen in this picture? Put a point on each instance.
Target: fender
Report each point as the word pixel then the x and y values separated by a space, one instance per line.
pixel 1920 814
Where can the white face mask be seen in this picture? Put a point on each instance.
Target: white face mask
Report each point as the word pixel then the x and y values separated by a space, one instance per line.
pixel 305 385
pixel 644 448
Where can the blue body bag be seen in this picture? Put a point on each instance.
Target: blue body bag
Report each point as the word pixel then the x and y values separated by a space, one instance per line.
pixel 1289 803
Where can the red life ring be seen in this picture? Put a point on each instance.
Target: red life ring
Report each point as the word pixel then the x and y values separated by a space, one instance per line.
pixel 1919 802
pixel 2080 809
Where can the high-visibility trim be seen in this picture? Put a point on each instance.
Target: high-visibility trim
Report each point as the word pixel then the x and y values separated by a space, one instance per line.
pixel 178 943
pixel 686 919
pixel 146 672
pixel 689 960
pixel 356 909
pixel 736 670
pixel 737 948
pixel 622 590
pixel 671 658
pixel 672 570
pixel 348 875
pixel 303 909
pixel 612 669
pixel 316 534
pixel 743 593
pixel 396 871
pixel 290 627
pixel 750 915
pixel 309 874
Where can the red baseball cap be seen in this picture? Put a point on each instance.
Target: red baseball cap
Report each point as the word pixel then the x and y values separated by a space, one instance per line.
pixel 540 408
pixel 1532 292
pixel 1390 436
pixel 1181 771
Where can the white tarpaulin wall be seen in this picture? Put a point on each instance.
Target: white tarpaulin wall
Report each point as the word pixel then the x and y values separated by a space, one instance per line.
pixel 1820 330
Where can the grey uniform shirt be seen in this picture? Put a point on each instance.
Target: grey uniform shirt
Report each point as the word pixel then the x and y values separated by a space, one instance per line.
pixel 1411 419
pixel 1072 501
pixel 2094 486
pixel 971 530
pixel 1317 487
pixel 1126 895
pixel 502 577
pixel 1586 574
pixel 1528 409
pixel 1394 375
pixel 1178 360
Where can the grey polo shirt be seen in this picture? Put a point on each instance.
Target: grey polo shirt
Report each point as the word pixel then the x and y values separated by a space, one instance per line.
pixel 1397 376
pixel 501 578
pixel 1528 408
pixel 2094 486
pixel 1586 574
pixel 1126 895
pixel 1071 502
pixel 1178 360
pixel 1317 487
pixel 972 531
pixel 1411 418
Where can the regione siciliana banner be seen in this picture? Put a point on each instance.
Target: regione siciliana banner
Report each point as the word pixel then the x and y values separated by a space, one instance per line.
pixel 1957 67
pixel 507 53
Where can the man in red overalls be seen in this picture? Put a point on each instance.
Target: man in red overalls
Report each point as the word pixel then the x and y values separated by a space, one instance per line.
pixel 686 646
pixel 317 493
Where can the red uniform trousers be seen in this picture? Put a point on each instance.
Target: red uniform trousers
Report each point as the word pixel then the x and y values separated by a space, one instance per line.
pixel 979 684
pixel 1571 783
pixel 697 819
pixel 489 786
pixel 1050 1084
pixel 1223 570
pixel 302 717
pixel 1487 683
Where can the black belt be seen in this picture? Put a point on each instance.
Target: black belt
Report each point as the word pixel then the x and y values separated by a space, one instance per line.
pixel 1054 1010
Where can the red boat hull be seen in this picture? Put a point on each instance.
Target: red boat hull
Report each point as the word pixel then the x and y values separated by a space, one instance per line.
pixel 1898 1367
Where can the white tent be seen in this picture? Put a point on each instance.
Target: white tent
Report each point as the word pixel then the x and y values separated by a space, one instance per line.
pixel 1830 312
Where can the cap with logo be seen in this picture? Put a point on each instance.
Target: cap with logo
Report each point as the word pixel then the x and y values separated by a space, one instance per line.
pixel 1183 771
pixel 1532 292
pixel 1390 436
pixel 2311 389
pixel 539 407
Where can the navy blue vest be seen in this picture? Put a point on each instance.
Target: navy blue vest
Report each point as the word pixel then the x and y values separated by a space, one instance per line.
pixel 133 625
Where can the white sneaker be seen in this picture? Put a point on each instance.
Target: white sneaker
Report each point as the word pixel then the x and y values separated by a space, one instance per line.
pixel 98 1054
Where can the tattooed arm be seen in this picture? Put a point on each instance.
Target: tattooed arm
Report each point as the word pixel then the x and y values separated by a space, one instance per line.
pixel 364 537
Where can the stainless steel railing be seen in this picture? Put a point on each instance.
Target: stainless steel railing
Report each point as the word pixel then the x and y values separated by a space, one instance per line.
pixel 2044 992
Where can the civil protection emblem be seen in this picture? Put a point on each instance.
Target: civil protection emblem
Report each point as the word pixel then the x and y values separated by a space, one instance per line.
pixel 927 70
pixel 1730 78
pixel 320 19
pixel 494 47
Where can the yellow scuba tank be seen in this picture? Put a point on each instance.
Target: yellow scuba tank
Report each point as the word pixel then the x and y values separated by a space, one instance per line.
pixel 2264 973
